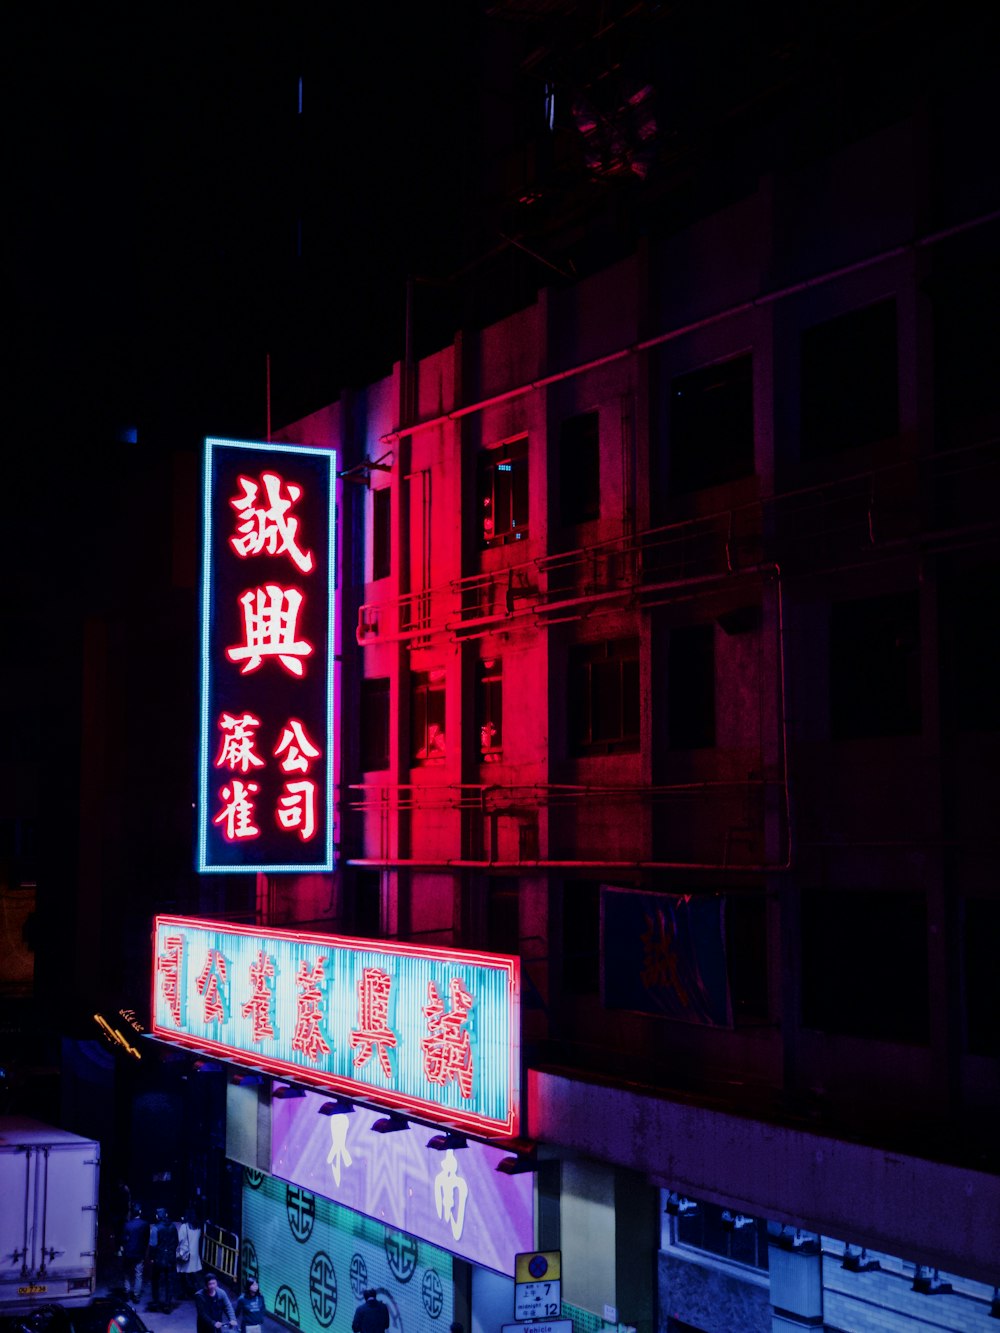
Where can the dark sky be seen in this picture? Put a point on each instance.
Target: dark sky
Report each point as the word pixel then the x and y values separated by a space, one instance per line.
pixel 175 219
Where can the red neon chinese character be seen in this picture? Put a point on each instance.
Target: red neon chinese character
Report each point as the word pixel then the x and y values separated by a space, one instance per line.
pixel 236 814
pixel 211 986
pixel 296 746
pixel 168 965
pixel 297 808
pixel 308 1039
pixel 268 527
pixel 269 629
pixel 258 1007
pixel 448 1050
pixel 237 749
pixel 373 1032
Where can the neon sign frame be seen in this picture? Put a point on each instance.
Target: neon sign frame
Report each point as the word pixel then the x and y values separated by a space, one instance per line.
pixel 202 989
pixel 277 690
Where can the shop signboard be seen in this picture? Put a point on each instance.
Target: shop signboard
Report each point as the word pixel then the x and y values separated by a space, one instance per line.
pixel 416 1028
pixel 454 1198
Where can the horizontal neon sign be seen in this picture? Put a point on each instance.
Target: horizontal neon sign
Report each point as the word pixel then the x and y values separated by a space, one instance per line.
pixel 432 1031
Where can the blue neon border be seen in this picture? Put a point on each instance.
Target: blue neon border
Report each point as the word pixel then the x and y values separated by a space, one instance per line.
pixel 205 667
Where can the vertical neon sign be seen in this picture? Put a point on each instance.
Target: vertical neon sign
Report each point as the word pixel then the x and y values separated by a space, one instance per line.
pixel 265 762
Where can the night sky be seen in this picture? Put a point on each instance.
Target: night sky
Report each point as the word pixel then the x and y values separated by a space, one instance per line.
pixel 175 219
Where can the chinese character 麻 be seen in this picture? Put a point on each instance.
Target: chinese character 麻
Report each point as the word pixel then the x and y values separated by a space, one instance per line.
pixel 308 1039
pixel 237 749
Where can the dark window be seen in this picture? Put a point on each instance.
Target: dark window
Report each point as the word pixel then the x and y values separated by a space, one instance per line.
pixel 368 914
pixel 381 533
pixel 711 425
pixel 603 697
pixel 427 716
pixel 724 1232
pixel 579 469
pixel 503 492
pixel 489 709
pixel 503 923
pixel 970 649
pixel 875 667
pixel 691 687
pixel 982 994
pixel 965 294
pixel 581 932
pixel 864 964
pixel 850 395
pixel 746 951
pixel 374 724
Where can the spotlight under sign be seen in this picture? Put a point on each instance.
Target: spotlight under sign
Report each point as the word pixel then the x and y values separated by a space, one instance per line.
pixel 430 1031
pixel 265 771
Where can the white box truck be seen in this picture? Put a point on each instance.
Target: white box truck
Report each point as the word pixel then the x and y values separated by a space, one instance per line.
pixel 48 1215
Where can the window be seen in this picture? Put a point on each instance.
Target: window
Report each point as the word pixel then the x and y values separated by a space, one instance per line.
pixel 489 709
pixel 381 532
pixel 969 640
pixel 691 687
pixel 603 697
pixel 579 469
pixel 746 951
pixel 849 387
pixel 982 994
pixel 502 915
pixel 368 902
pixel 427 716
pixel 503 492
pixel 864 964
pixel 724 1232
pixel 875 667
pixel 374 724
pixel 711 425
pixel 581 936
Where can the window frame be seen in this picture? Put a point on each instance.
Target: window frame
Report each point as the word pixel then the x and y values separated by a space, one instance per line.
pixel 381 532
pixel 581 696
pixel 497 460
pixel 428 708
pixel 489 708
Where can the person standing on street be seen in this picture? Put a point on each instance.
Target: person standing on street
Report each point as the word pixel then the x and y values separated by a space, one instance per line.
pixel 189 1270
pixel 372 1315
pixel 164 1255
pixel 250 1307
pixel 215 1309
pixel 135 1246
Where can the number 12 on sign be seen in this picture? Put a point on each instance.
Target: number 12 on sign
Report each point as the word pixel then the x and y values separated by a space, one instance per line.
pixel 537 1300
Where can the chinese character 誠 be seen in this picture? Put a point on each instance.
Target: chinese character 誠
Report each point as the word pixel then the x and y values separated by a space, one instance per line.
pixel 448 1049
pixel 212 987
pixel 373 1032
pixel 268 527
pixel 258 1007
pixel 309 1014
pixel 270 627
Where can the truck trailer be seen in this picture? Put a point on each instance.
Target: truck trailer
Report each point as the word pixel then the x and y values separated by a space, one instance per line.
pixel 48 1215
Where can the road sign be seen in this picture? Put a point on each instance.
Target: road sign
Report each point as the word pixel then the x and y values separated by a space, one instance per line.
pixel 538 1286
pixel 545 1326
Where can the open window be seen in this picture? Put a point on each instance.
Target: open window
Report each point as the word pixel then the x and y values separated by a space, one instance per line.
pixel 503 492
pixel 489 709
pixel 427 716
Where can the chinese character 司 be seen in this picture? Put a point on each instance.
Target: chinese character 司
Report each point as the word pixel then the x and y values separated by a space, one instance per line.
pixel 270 616
pixel 268 527
pixel 373 1031
pixel 448 1050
